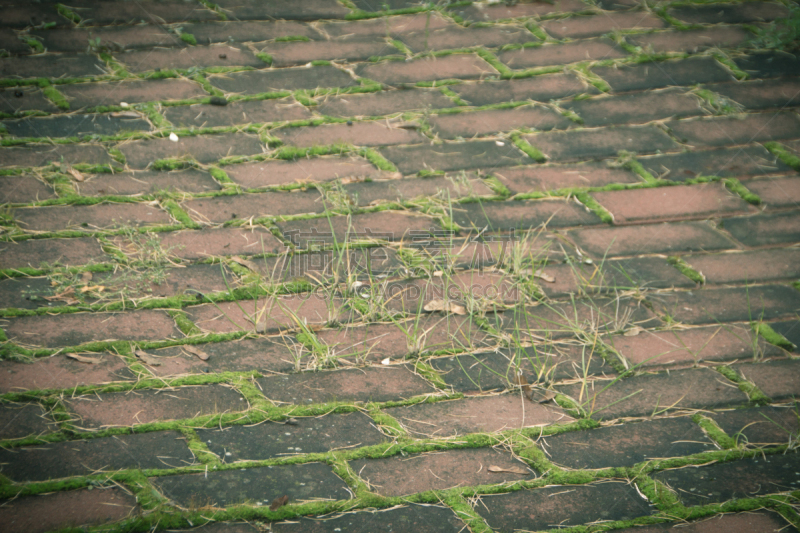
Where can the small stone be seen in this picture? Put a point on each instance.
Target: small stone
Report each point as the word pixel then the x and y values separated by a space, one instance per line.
pixel 349 122
pixel 124 104
pixel 173 137
pixel 18 93
pixel 217 100
pixel 223 56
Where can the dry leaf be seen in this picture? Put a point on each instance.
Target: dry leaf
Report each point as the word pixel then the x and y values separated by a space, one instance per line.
pixel 96 288
pixel 438 274
pixel 77 176
pixel 86 277
pixel 84 359
pixel 277 503
pixel 633 331
pixel 245 263
pixel 352 179
pixel 147 358
pixel 512 470
pixel 447 307
pixel 196 351
pixel 522 381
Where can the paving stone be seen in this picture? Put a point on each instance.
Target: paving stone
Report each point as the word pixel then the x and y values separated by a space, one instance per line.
pixel 289 79
pixel 745 478
pixel 485 155
pixel 35 253
pixel 650 395
pixel 557 54
pixel 72 329
pixel 489 122
pixel 454 37
pixel 282 9
pixel 244 206
pixel 398 475
pixel 778 192
pixel 486 414
pixel 188 180
pixel 404 190
pixel 383 5
pixel 369 384
pixel 597 25
pixel 115 37
pixel 722 523
pixel 254 486
pixel 22 420
pixel 635 206
pixel 729 13
pixel 302 435
pixel 751 267
pixel 628 444
pixel 780 380
pixel 522 215
pixel 293 53
pixel 693 41
pixel 90 217
pixel 359 134
pixel 459 66
pixel 664 238
pixel 40 155
pixel 41 513
pixel 26 293
pixel 31 98
pixel 760 94
pixel 553 177
pixel 542 88
pixel 424 519
pixel 383 225
pixel 247 31
pixel 790 330
pixel 635 108
pixel 768 64
pixel 83 95
pixel 253 111
pixel 663 74
pixel 726 162
pixel 739 129
pixel 190 280
pixel 51 66
pixel 765 229
pixel 394 25
pixel 157 450
pixel 22 15
pixel 712 306
pixel 62 372
pixel 383 103
pixel 483 12
pixel 599 143
pixel 201 148
pixel 13 45
pixel 227 527
pixel 317 169
pixel 761 426
pixel 580 504
pixel 688 347
pixel 23 190
pixel 315 266
pixel 107 12
pixel 206 243
pixel 74 126
pixel 119 409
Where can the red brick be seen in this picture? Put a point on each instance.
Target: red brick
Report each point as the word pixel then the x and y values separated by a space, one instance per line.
pixel 693 41
pixel 202 148
pixel 40 155
pixel 737 162
pixel 299 53
pixel 51 66
pixel 32 98
pixel 729 13
pixel 34 252
pixel 90 217
pixel 597 25
pixel 356 263
pixel 81 95
pixel 779 192
pixel 598 143
pixel 23 420
pixel 763 426
pixel 107 12
pixel 461 66
pixel 383 103
pixel 764 230
pixel 253 111
pixel 359 133
pixel 405 190
pixel 72 329
pixel 482 12
pixel 761 94
pixel 74 125
pixel 768 64
pixel 398 476
pixel 553 177
pixel 206 243
pixel 282 9
pixel 751 267
pixel 285 79
pixel 246 31
pixel 26 293
pixel 780 380
pixel 663 74
pixel 451 126
pixel 244 206
pixel 62 372
pixel 317 169
pixel 684 202
pixel 23 190
pixel 397 25
pixel 746 522
pixel 190 280
pixel 383 225
pixel 418 518
pixel 557 54
pixel 22 15
pixel 666 238
pixel 485 155
pixel 143 182
pixel 77 39
pixel 119 409
pixel 541 88
pixel 742 129
pixel 521 215
pixel 635 108
pixel 451 38
pixel 37 514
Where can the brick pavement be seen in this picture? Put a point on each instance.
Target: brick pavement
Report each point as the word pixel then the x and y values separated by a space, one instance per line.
pixel 365 265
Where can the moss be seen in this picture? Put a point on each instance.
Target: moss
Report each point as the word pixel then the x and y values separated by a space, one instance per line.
pixel 68 13
pixel 594 206
pixel 713 430
pixel 772 336
pixel 736 186
pixel 730 65
pixel 526 147
pixel 785 155
pixel 202 80
pixel 184 324
pixel 755 394
pixel 374 157
pixel 34 43
pixel 265 57
pixel 686 270
pixel 52 94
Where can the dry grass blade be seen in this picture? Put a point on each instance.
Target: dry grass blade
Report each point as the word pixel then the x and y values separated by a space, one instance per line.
pixel 84 359
pixel 512 470
pixel 147 358
pixel 245 263
pixel 77 176
pixel 197 352
pixel 445 307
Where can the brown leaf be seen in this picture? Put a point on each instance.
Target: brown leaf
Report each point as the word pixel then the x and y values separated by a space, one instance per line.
pixel 279 502
pixel 245 263
pixel 446 307
pixel 147 358
pixel 67 296
pixel 522 381
pixel 512 470
pixel 196 351
pixel 77 176
pixel 542 395
pixel 84 359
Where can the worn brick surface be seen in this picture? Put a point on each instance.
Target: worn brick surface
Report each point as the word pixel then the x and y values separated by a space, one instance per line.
pixel 600 143
pixel 485 155
pixel 202 148
pixel 247 31
pixel 62 372
pixel 36 253
pixel 481 12
pixel 143 182
pixel 768 64
pixel 553 177
pixel 635 108
pixel 467 125
pixel 205 243
pixel 448 38
pixel 729 13
pixel 521 215
pixel 51 66
pixel 371 193
pixel 82 95
pixel 244 206
pixel 17 99
pixel 222 55
pixel 726 162
pixel 721 131
pixel 202 115
pixel 361 134
pixel 299 53
pixel 760 426
pixel 18 420
pixel 377 27
pixel 90 218
pixel 27 293
pixel 693 41
pixel 596 25
pixel 780 380
pixel 463 66
pixel 40 155
pixel 765 229
pixel 269 173
pixel 77 39
pixel 383 103
pixel 384 225
pixel 778 192
pixel 149 12
pixel 23 189
pixel 662 74
pixel 282 9
pixel 751 267
pixel 739 522
pixel 539 88
pixel 760 94
pixel 555 54
pixel 260 81
pixel 74 125
pixel 424 519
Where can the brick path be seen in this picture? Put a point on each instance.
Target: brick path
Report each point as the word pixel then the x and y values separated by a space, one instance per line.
pixel 320 266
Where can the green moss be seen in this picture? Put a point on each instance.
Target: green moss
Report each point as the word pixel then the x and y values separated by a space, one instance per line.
pixel 374 157
pixel 52 94
pixel 202 80
pixel 785 155
pixel 186 326
pixel 713 430
pixel 686 270
pixel 34 43
pixel 68 13
pixel 526 147
pixel 320 63
pixel 753 392
pixel 179 214
pixel 494 62
pixel 189 39
pixel 594 206
pixel 736 186
pixel 772 336
pixel 263 56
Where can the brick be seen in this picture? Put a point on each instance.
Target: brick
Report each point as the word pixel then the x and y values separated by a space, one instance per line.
pixel 768 64
pixel 254 486
pixel 665 238
pixel 23 190
pixel 600 143
pixel 722 523
pixel 454 37
pixel 317 169
pixel 22 420
pixel 395 25
pixel 790 330
pixel 761 94
pixel 542 88
pixel 780 380
pixel 481 12
pixel 512 215
pixel 383 103
pixel 201 148
pixel 274 439
pixel 726 162
pixel 746 478
pixel 553 177
pixel 650 395
pixel 693 41
pixel 11 44
pixel 73 329
pixel 663 74
pixel 356 263
pixel 690 346
pixel 778 192
pixel 82 95
pixel 729 13
pixel 597 25
pixel 383 225
pixel 485 155
pixel 580 504
pixel 40 155
pixel 658 204
pixel 763 426
pixel 635 108
pixel 360 134
pixel 282 9
pixel 369 384
pixel 90 217
pixel 107 12
pixel 763 230
pixel 398 476
pixel 290 79
pixel 490 122
pixel 244 206
pixel 557 54
pixel 16 15
pixel 61 372
pixel 74 126
pixel 26 293
pixel 190 280
pixel 486 414
pixel 34 252
pixel 206 243
pixel 293 53
pixel 41 513
pixel 460 66
pixel 157 450
pixel 51 66
pixel 31 98
pixel 713 306
pixel 743 129
pixel 374 7
pixel 189 180
pixel 247 31
pixel 115 37
pixel 411 296
pixel 751 267
pixel 253 111
pixel 404 190
pixel 423 519
pixel 628 444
